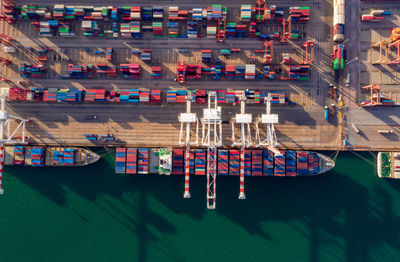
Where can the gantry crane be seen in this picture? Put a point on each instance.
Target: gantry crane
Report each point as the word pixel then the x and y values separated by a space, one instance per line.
pixel 185 138
pixel 212 138
pixel 269 53
pixel 244 120
pixel 376 97
pixel 286 35
pixel 269 120
pixel 221 30
pixel 382 44
pixel 260 9
pixel 5 123
pixel 309 57
pixel 397 60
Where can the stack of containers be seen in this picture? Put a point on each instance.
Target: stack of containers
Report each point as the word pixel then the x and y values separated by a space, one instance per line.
pixel 69 156
pixel 250 72
pixel 254 31
pixel 144 96
pixel 245 13
pixel 62 94
pixel 58 157
pixel 300 72
pixel 114 14
pixel 131 160
pixel 109 54
pixel 240 31
pixel 19 155
pixel 221 96
pixel 58 11
pixel 206 55
pixel 90 28
pixel 192 29
pixel 105 69
pixel 240 72
pixel 69 13
pixel 200 162
pixel 134 95
pixel 146 55
pixel 134 70
pixel 316 163
pixel 172 29
pixel 125 30
pixel 256 163
pixel 173 13
pixel 79 11
pixel 268 74
pixel 223 159
pixel 183 15
pixel 37 156
pixel 100 94
pixel 268 163
pixel 124 68
pixel 177 161
pixel 171 96
pixel 191 161
pixel 90 95
pixel 158 13
pixel 234 162
pixel 279 14
pixel 74 95
pixel 197 14
pixel 302 163
pixel 211 31
pixel 299 14
pixel 155 96
pixel 215 12
pixel 50 95
pixel 143 161
pixel 200 96
pixel 290 163
pixel 230 97
pixel 156 72
pixel 157 29
pixel 120 161
pixel 147 13
pixel 135 29
pixel 125 12
pixel 247 162
pixel 64 30
pixel 135 13
pixel 181 96
pixel 230 30
pixel 280 169
pixel 28 70
pixel 230 72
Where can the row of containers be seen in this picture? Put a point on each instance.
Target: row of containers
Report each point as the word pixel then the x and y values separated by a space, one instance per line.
pixel 38 156
pixel 35 156
pixel 256 162
pixel 154 13
pixel 141 96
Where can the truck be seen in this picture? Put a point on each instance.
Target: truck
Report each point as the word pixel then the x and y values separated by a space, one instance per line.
pixel 338 57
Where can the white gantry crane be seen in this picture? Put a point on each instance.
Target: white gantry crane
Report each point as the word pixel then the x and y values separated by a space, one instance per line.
pixel 244 120
pixel 5 123
pixel 186 138
pixel 212 138
pixel 269 120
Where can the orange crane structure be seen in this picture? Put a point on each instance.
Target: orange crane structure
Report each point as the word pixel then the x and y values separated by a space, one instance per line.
pixel 269 53
pixel 286 35
pixel 260 10
pixel 397 60
pixel 376 98
pixel 309 45
pixel 221 30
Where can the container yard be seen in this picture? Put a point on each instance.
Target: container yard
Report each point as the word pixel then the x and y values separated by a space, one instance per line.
pixel 260 81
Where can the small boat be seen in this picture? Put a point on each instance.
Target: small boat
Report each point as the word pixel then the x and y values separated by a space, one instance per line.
pixel 39 156
pixel 388 164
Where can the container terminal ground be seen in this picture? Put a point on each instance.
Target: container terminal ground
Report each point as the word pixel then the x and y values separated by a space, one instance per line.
pixel 301 126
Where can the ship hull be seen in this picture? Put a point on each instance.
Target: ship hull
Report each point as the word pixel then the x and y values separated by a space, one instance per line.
pixel 38 156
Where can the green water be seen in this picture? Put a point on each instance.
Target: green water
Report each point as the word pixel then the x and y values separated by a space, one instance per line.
pixel 92 214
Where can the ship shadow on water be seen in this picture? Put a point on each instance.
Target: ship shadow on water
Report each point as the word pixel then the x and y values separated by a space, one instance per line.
pixel 336 208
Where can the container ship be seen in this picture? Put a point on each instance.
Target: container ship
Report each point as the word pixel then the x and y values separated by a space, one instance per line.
pixel 388 164
pixel 166 161
pixel 39 156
